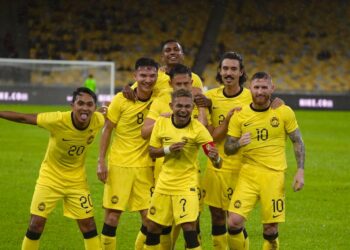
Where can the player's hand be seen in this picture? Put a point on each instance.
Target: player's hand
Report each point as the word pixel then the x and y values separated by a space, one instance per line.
pixel 298 182
pixel 202 101
pixel 103 110
pixel 245 139
pixel 276 103
pixel 177 147
pixel 231 112
pixel 102 172
pixel 129 93
pixel 167 114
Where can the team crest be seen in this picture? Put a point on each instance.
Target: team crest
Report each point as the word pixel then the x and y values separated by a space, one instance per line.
pixel 152 210
pixel 90 139
pixel 114 199
pixel 41 206
pixel 274 122
pixel 237 204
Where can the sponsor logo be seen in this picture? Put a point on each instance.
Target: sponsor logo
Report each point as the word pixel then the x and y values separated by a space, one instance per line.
pixel 41 206
pixel 274 122
pixel 167 138
pixel 247 124
pixel 152 210
pixel 237 204
pixel 115 199
pixel 88 211
pixel 182 215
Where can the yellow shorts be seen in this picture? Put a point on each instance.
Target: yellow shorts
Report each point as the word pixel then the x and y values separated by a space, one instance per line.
pixel 128 188
pixel 77 203
pixel 218 187
pixel 166 209
pixel 201 194
pixel 260 184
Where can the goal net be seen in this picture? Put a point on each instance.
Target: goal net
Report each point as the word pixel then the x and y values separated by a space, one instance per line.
pixel 52 81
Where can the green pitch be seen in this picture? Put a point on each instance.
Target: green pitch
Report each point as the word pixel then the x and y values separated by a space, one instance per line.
pixel 317 217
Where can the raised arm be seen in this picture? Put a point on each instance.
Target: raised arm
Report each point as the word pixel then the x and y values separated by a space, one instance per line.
pixel 220 131
pixel 299 152
pixel 19 117
pixel 102 171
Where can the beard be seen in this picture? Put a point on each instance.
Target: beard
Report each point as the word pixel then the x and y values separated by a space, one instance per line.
pixel 261 99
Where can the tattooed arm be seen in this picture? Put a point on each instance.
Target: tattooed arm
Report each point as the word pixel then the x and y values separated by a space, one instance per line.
pixel 232 144
pixel 299 151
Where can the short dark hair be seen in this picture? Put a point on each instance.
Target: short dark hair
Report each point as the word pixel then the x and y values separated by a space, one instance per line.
pixel 170 41
pixel 180 93
pixel 179 69
pixel 145 61
pixel 88 91
pixel 234 56
pixel 262 75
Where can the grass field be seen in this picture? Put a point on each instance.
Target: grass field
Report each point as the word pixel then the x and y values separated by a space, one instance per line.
pixel 317 217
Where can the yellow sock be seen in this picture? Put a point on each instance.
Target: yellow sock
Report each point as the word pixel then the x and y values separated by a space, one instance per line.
pixel 93 243
pixel 236 241
pixel 140 241
pixel 219 242
pixel 246 244
pixel 196 248
pixel 29 244
pixel 153 247
pixel 271 245
pixel 108 243
pixel 175 231
pixel 165 242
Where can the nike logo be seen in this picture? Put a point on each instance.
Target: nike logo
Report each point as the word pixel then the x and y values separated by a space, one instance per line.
pixel 167 138
pixel 66 139
pixel 88 211
pixel 215 107
pixel 247 124
pixel 275 216
pixel 182 215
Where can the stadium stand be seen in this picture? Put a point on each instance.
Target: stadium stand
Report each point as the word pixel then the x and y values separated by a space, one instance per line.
pixel 301 43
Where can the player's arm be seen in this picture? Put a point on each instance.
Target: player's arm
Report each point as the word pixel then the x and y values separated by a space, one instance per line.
pixel 19 117
pixel 201 100
pixel 147 128
pixel 102 171
pixel 162 151
pixel 129 92
pixel 213 154
pixel 233 144
pixel 220 131
pixel 299 152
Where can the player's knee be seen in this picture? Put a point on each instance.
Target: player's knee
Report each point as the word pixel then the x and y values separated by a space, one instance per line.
pixel 270 229
pixel 154 228
pixel 218 216
pixel 112 217
pixel 189 226
pixel 235 221
pixel 87 225
pixel 37 224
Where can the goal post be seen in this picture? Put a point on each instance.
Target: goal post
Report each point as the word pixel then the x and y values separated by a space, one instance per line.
pixel 38 81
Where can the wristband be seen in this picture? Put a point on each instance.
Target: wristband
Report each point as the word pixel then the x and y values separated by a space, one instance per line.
pixel 166 150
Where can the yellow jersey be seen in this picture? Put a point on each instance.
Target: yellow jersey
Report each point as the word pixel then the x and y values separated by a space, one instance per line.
pixel 179 173
pixel 268 129
pixel 128 148
pixel 64 162
pixel 221 105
